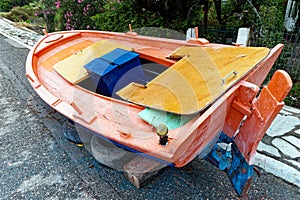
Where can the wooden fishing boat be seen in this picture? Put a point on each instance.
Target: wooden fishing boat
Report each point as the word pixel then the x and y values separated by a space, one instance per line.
pixel 169 100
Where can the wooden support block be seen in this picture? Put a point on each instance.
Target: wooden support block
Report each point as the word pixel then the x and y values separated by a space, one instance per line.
pixel 141 169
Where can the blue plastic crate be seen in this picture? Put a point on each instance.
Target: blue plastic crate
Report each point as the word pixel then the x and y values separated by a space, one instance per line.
pixel 114 70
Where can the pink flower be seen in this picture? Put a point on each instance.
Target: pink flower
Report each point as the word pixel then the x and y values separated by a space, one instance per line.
pixel 85 9
pixel 68 14
pixel 57 4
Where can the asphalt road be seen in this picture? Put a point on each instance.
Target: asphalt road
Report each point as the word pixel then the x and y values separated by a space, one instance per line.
pixel 37 162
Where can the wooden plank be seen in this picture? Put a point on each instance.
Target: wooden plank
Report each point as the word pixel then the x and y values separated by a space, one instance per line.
pixel 72 68
pixel 66 52
pixel 195 81
pixel 140 170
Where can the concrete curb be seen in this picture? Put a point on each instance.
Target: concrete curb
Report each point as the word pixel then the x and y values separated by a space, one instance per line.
pixel 16 40
pixel 18 34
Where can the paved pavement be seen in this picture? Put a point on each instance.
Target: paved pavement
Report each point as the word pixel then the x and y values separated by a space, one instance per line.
pixel 37 162
pixel 279 151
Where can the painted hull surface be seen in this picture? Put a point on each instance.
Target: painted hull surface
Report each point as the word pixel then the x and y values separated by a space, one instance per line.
pixel 117 119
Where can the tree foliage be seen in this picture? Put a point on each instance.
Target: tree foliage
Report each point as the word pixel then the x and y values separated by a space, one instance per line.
pixel 116 15
pixel 179 15
pixel 7 5
pixel 264 17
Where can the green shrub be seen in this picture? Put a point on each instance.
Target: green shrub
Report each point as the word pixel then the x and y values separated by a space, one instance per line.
pixel 7 5
pixel 116 15
pixel 68 14
pixel 77 14
pixel 18 14
pixel 30 9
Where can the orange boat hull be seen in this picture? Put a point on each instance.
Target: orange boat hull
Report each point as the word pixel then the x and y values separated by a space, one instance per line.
pixel 118 120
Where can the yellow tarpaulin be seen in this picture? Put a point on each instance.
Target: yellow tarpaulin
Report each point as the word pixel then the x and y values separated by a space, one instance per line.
pixel 201 76
pixel 72 68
